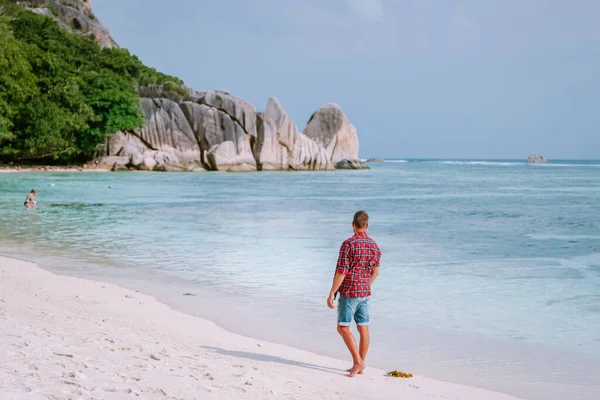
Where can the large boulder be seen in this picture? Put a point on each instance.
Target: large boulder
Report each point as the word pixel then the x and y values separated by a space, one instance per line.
pixel 281 146
pixel 226 156
pixel 148 164
pixel 114 144
pixel 167 137
pixel 108 163
pixel 534 159
pixel 119 168
pixel 330 128
pixel 351 164
pixel 238 109
pixel 136 159
pixel 168 130
pixel 194 167
pixel 168 168
pixel 241 168
pixel 223 140
pixel 270 154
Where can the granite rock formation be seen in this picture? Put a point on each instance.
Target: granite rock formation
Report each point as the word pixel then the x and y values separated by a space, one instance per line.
pixel 534 159
pixel 330 128
pixel 189 130
pixel 224 127
pixel 280 146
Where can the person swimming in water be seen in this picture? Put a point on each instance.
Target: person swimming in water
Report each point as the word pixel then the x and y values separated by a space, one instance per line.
pixel 30 200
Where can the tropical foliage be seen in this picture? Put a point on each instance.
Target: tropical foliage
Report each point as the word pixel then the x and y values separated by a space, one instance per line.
pixel 61 93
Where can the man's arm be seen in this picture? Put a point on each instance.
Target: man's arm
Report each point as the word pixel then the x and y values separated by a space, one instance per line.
pixel 337 282
pixel 341 269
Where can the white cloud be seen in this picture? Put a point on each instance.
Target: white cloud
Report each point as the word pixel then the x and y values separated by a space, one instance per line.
pixel 370 10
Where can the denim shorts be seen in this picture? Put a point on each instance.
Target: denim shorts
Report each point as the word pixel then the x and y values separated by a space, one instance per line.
pixel 353 307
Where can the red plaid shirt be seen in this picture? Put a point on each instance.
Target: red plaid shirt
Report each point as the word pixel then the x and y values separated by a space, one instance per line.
pixel 358 256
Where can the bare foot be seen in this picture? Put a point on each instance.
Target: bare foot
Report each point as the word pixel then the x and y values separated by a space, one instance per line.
pixel 356 369
pixel 358 373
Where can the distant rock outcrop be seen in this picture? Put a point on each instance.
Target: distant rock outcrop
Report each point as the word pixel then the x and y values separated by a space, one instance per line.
pixel 214 130
pixel 330 128
pixel 74 15
pixel 375 160
pixel 537 159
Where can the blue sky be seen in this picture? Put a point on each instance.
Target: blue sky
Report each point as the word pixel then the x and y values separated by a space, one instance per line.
pixel 418 78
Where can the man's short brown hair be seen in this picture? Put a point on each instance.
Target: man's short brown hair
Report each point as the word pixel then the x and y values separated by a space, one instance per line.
pixel 361 219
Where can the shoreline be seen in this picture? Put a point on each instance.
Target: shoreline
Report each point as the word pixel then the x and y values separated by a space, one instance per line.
pixel 49 168
pixel 86 337
pixel 63 169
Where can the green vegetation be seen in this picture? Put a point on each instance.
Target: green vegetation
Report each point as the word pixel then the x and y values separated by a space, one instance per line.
pixel 171 87
pixel 60 93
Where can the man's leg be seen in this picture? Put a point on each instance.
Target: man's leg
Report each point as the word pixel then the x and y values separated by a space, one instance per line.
pixel 346 309
pixel 358 364
pixel 361 316
pixel 363 349
pixel 365 339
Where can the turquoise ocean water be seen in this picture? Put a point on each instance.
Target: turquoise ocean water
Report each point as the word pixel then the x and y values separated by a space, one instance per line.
pixel 490 270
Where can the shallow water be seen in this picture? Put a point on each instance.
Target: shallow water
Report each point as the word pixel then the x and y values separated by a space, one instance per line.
pixel 490 270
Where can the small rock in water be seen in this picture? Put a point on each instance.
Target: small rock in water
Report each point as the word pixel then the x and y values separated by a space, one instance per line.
pixel 259 345
pixel 189 294
pixel 351 164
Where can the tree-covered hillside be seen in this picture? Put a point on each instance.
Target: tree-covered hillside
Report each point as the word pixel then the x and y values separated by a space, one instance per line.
pixel 61 93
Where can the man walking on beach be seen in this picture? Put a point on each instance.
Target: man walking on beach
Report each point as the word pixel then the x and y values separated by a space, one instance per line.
pixel 356 270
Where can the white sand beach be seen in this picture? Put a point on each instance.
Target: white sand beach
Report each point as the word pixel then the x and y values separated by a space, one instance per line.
pixel 64 337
